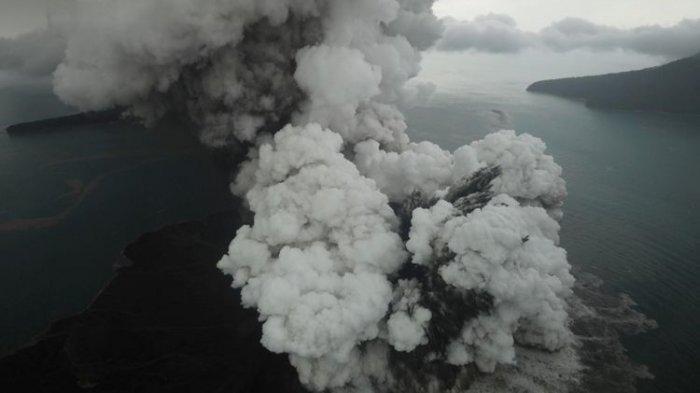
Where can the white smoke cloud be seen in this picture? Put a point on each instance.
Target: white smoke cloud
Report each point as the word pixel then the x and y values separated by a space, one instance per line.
pixel 315 263
pixel 511 253
pixel 368 253
pixel 528 174
pixel 407 325
pixel 500 34
pixel 188 56
pixel 422 166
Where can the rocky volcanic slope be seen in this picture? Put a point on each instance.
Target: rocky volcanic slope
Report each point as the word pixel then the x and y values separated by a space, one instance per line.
pixel 167 322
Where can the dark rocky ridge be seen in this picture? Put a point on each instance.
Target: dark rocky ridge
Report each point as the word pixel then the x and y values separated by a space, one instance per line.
pixel 673 88
pixel 167 322
pixel 59 123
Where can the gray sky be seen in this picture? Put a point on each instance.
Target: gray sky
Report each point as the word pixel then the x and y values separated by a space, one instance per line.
pixel 17 16
pixel 20 16
pixel 537 14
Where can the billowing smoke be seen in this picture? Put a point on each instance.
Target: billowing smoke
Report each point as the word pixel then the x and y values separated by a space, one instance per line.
pixel 374 262
pixel 37 53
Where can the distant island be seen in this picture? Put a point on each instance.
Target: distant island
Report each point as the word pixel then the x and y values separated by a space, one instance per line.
pixel 59 123
pixel 673 88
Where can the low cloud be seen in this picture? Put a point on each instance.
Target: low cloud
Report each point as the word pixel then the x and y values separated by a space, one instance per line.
pixel 500 34
pixel 40 51
pixel 35 53
pixel 487 33
pixel 680 40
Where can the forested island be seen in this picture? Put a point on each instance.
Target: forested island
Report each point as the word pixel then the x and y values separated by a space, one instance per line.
pixel 673 88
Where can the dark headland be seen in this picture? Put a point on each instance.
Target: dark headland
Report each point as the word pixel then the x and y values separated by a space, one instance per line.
pixel 59 123
pixel 672 88
pixel 169 321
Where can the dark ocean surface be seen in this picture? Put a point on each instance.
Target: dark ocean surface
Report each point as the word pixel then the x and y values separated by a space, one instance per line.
pixel 71 200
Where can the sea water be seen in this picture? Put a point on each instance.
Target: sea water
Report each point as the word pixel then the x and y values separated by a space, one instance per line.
pixel 632 216
pixel 71 200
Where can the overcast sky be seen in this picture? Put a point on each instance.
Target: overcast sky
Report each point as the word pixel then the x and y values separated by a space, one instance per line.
pixel 537 14
pixel 18 16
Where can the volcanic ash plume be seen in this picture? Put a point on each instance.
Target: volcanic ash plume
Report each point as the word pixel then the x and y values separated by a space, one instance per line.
pixel 375 263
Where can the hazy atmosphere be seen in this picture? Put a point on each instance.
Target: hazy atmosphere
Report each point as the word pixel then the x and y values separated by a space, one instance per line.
pixel 349 196
pixel 537 14
pixel 648 27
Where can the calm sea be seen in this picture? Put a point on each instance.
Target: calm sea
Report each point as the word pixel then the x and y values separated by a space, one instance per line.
pixel 633 212
pixel 70 201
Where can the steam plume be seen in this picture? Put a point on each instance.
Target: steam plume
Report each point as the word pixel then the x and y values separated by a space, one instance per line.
pixel 374 262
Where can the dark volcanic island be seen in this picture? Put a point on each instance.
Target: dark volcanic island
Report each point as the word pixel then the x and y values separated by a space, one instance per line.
pixel 60 123
pixel 672 88
pixel 169 321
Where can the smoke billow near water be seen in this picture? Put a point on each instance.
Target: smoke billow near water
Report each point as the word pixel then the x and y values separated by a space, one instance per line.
pixel 375 263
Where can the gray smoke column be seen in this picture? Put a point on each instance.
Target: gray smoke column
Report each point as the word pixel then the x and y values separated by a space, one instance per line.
pixel 374 262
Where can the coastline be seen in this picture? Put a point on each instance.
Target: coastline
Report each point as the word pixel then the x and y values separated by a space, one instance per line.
pixel 56 124
pixel 167 321
pixel 670 88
